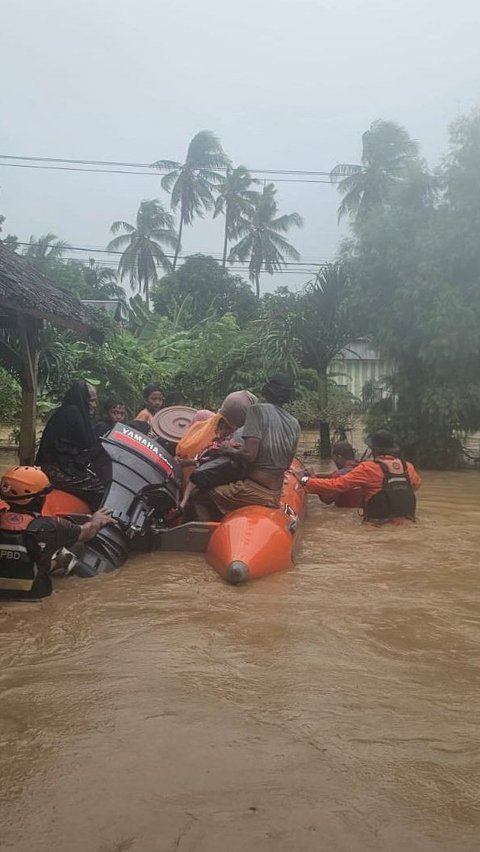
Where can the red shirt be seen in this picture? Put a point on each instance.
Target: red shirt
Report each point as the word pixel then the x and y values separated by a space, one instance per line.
pixel 367 475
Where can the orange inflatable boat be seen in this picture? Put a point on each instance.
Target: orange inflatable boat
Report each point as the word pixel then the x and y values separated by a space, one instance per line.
pixel 256 541
pixel 248 543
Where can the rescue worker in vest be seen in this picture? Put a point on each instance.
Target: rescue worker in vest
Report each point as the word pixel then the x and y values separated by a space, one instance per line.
pixel 387 482
pixel 27 540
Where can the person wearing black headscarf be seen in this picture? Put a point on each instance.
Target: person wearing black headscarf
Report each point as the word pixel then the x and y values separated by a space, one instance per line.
pixel 66 443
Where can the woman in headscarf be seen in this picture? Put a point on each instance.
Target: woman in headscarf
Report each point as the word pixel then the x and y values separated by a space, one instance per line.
pixel 66 443
pixel 202 414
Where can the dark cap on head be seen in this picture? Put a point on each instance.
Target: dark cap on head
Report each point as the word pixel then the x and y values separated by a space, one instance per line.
pixel 343 449
pixel 278 388
pixel 382 440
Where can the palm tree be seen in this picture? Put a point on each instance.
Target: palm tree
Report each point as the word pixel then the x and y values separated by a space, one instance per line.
pixel 143 245
pixel 45 251
pixel 102 282
pixel 10 240
pixel 262 243
pixel 234 201
pixel 193 182
pixel 387 151
pixel 310 329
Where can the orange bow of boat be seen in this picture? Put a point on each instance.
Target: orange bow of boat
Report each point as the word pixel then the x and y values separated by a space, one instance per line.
pixel 255 541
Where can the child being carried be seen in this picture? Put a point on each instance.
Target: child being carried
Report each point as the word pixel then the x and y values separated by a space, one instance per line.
pixel 213 451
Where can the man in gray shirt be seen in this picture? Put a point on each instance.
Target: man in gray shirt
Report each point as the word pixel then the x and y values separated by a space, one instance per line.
pixel 270 437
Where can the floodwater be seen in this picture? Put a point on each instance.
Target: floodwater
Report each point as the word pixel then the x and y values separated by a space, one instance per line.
pixel 334 708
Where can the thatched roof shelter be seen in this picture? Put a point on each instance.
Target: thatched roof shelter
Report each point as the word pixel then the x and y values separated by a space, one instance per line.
pixel 25 290
pixel 27 298
pixel 114 308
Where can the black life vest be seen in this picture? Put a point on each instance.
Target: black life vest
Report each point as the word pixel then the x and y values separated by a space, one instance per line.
pixel 397 497
pixel 19 553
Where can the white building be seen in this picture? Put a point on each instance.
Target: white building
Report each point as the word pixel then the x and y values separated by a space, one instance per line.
pixel 358 364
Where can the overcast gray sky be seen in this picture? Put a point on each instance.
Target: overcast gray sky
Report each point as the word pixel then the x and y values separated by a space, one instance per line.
pixel 285 84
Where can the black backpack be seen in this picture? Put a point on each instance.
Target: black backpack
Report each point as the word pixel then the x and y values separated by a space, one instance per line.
pixel 20 576
pixel 396 499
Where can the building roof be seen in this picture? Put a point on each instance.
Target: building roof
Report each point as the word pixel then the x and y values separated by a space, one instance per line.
pixel 25 290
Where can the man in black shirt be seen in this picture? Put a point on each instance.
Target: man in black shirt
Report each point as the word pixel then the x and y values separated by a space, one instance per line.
pixel 115 411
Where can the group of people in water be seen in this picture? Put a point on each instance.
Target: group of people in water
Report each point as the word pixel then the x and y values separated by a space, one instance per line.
pixel 230 459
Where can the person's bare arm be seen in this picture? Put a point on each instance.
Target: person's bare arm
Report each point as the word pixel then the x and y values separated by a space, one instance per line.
pixel 248 452
pixel 99 520
pixel 308 471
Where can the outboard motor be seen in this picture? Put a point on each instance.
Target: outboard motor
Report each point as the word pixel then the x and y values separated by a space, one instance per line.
pixel 144 484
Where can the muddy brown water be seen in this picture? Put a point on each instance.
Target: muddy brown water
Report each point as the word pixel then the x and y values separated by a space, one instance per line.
pixel 334 707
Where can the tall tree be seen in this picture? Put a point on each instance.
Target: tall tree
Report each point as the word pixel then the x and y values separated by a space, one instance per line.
pixel 201 288
pixel 417 266
pixel 143 245
pixel 102 282
pixel 46 251
pixel 310 329
pixel 193 182
pixel 387 151
pixel 234 201
pixel 262 243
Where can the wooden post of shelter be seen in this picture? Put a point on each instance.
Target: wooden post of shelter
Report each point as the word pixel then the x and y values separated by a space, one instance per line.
pixel 27 299
pixel 28 338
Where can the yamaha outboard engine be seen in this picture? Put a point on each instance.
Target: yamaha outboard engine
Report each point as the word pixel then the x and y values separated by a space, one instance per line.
pixel 145 483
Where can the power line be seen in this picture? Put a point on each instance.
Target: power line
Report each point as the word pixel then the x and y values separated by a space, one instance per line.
pixel 306 261
pixel 93 250
pixel 150 166
pixel 243 269
pixel 150 173
pixel 312 269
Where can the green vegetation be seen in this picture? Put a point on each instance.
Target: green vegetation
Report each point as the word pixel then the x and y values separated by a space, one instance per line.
pixel 415 260
pixel 407 280
pixel 10 398
pixel 308 330
pixel 202 288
